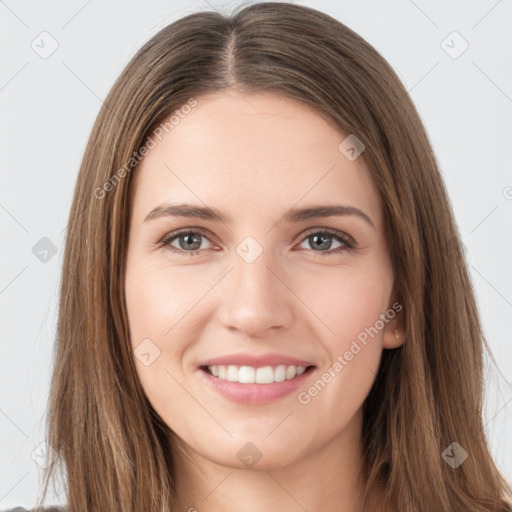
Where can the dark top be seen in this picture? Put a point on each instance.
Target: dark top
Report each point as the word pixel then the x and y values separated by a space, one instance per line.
pixel 48 509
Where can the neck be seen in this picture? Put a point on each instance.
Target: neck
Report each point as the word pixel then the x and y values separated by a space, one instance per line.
pixel 325 478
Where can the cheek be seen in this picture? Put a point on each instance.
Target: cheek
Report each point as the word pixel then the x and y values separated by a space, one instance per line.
pixel 351 307
pixel 164 306
pixel 347 301
pixel 157 298
pixel 160 308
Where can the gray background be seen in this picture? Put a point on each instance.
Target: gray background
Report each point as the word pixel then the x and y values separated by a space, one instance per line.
pixel 48 106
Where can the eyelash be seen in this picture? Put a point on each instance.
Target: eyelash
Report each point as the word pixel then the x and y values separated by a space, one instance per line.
pixel 338 235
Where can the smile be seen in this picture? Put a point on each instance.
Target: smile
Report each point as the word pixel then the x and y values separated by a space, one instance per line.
pixel 252 375
pixel 255 385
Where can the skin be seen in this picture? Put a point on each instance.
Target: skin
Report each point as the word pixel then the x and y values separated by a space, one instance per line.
pixel 254 157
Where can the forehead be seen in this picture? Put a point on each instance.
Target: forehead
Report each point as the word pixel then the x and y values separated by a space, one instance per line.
pixel 252 154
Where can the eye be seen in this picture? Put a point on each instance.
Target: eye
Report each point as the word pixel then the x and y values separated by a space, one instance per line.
pixel 320 241
pixel 323 240
pixel 189 242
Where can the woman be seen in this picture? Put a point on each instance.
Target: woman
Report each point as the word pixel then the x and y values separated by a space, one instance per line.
pixel 319 347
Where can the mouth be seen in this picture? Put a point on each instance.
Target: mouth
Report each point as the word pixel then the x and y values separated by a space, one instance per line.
pixel 255 385
pixel 256 375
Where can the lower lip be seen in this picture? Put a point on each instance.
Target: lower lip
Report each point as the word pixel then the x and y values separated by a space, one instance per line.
pixel 256 393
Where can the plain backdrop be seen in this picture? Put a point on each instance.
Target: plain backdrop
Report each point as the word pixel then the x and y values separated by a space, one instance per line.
pixel 59 60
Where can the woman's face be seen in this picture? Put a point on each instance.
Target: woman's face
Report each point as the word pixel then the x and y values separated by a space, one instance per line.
pixel 267 292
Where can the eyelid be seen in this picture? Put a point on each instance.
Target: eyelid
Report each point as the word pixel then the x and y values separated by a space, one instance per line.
pixel 331 231
pixel 350 243
pixel 167 239
pixel 174 234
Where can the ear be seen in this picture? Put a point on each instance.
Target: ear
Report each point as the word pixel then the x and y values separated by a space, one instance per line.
pixel 394 335
pixel 394 332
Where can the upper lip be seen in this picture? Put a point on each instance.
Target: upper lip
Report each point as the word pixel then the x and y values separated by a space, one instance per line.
pixel 256 361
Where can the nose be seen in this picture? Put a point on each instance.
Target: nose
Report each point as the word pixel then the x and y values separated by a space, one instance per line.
pixel 256 298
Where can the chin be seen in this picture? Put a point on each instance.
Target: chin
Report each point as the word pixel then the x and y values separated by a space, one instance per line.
pixel 253 455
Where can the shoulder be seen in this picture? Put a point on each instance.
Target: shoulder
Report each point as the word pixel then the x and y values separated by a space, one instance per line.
pixel 47 509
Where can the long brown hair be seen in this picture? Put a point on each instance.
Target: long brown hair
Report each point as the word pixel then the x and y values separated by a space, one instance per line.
pixel 114 449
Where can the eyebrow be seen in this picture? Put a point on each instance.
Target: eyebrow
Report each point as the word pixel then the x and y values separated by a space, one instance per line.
pixel 293 215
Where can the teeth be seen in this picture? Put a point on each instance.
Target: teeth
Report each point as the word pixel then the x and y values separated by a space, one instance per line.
pixel 232 373
pixel 250 375
pixel 291 371
pixel 265 375
pixel 246 374
pixel 280 373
